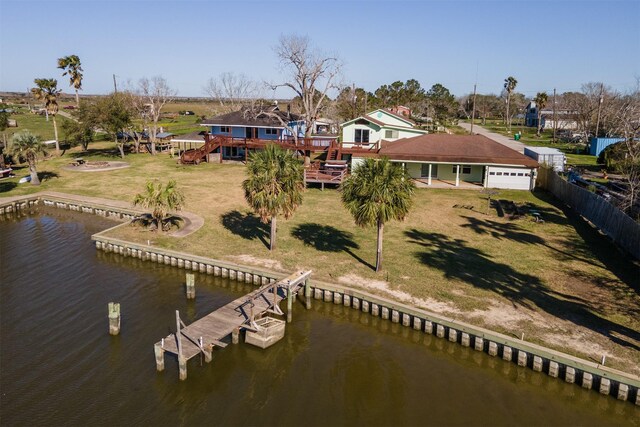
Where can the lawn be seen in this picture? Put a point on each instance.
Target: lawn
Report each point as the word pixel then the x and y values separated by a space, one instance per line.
pixel 559 282
pixel 34 123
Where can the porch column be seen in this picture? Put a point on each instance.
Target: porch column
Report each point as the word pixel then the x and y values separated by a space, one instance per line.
pixel 457 175
pixel 429 179
pixel 486 177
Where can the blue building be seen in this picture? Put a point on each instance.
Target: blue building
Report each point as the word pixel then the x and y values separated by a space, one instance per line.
pixel 597 145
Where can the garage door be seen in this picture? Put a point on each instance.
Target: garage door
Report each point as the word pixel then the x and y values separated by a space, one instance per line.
pixel 509 178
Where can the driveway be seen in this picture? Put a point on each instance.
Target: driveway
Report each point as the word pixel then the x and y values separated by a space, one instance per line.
pixel 509 142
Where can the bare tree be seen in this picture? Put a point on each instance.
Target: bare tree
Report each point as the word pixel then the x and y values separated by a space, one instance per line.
pixel 232 90
pixel 311 74
pixel 156 93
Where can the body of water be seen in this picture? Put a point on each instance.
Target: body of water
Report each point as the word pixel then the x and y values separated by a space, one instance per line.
pixel 335 366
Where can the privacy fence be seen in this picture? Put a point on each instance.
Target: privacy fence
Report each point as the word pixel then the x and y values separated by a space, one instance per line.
pixel 623 230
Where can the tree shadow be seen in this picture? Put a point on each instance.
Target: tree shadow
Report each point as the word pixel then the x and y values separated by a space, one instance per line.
pixel 591 244
pixel 248 226
pixel 326 238
pixel 45 176
pixel 7 186
pixel 459 261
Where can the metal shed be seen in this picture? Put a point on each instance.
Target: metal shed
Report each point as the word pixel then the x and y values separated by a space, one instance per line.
pixel 546 155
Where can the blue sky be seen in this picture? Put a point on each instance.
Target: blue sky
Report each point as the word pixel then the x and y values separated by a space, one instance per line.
pixel 559 44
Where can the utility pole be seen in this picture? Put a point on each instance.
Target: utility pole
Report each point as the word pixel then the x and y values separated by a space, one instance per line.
pixel 555 119
pixel 115 87
pixel 599 108
pixel 473 109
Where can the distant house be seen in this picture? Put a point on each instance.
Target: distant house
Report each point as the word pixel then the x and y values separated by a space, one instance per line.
pixel 369 130
pixel 456 160
pixel 564 119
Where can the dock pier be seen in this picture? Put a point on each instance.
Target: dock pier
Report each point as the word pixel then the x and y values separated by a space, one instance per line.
pixel 243 313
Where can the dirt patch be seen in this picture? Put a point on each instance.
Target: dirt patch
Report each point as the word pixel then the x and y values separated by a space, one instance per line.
pixel 96 166
pixel 380 286
pixel 248 259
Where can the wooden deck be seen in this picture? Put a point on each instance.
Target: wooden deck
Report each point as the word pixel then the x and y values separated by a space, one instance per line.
pixel 208 332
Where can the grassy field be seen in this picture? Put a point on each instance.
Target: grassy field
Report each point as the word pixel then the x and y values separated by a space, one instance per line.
pixel 34 123
pixel 560 282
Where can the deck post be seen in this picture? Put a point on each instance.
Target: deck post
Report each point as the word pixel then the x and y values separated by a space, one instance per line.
pixel 289 304
pixel 182 366
pixel 191 286
pixel 114 318
pixel 235 336
pixel 159 351
pixel 307 293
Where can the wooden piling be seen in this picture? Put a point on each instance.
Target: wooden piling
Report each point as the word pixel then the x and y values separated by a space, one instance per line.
pixel 235 336
pixel 191 286
pixel 159 351
pixel 289 305
pixel 114 318
pixel 307 294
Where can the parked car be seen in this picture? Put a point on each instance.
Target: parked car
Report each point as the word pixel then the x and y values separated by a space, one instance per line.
pixel 69 107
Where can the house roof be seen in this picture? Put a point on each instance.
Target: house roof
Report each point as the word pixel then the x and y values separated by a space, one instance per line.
pixel 369 117
pixel 163 135
pixel 247 118
pixel 190 137
pixel 446 148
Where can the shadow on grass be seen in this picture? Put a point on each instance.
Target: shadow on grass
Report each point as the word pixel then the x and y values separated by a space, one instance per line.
pixel 459 261
pixel 599 248
pixel 326 238
pixel 45 176
pixel 248 226
pixel 7 186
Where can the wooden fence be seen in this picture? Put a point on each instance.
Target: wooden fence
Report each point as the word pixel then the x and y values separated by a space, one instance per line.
pixel 623 230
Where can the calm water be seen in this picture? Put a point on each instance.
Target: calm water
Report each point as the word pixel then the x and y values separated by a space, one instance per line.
pixel 336 366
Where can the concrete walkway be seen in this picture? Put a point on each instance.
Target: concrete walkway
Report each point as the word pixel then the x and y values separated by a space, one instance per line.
pixel 192 222
pixel 509 142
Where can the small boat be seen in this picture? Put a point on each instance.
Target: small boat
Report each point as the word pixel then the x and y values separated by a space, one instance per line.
pixel 24 179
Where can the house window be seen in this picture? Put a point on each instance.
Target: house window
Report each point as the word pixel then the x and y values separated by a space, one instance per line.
pixel 362 135
pixel 466 170
pixel 271 131
pixel 390 133
pixel 225 129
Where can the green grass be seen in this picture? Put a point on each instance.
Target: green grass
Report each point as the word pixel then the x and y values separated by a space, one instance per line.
pixel 34 123
pixel 553 281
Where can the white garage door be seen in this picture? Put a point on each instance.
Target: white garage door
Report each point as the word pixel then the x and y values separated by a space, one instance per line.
pixel 509 178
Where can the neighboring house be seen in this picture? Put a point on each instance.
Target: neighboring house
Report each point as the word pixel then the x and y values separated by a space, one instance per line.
pixel 458 159
pixel 564 119
pixel 247 124
pixel 401 110
pixel 369 130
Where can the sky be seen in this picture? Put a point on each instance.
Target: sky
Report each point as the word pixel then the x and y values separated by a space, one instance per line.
pixel 545 45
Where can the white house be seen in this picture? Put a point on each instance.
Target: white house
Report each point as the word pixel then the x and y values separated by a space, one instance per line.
pixel 369 130
pixel 461 159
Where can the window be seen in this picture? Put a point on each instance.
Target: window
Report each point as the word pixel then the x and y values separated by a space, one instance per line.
pixel 225 129
pixel 492 173
pixel 513 174
pixel 520 174
pixel 362 135
pixel 466 170
pixel 499 173
pixel 390 133
pixel 271 131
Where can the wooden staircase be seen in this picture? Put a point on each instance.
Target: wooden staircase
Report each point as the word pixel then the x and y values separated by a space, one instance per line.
pixel 196 155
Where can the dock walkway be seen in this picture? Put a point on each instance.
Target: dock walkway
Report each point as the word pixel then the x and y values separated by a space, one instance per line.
pixel 208 332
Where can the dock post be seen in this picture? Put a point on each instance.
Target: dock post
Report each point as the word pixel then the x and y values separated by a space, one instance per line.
pixel 159 351
pixel 289 305
pixel 114 318
pixel 235 336
pixel 307 294
pixel 191 286
pixel 208 353
pixel 182 365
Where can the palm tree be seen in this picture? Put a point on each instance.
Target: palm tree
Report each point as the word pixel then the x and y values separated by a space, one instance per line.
pixel 47 90
pixel 510 84
pixel 274 186
pixel 71 65
pixel 541 102
pixel 378 191
pixel 162 199
pixel 26 147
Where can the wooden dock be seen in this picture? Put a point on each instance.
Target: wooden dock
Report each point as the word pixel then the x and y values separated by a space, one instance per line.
pixel 208 332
